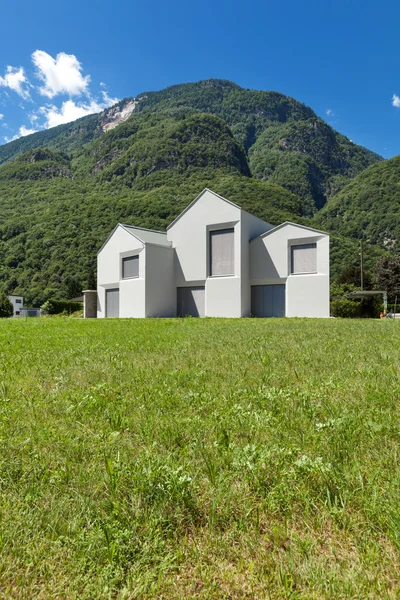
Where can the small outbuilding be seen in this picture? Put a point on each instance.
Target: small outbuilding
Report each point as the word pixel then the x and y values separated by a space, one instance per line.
pixel 18 304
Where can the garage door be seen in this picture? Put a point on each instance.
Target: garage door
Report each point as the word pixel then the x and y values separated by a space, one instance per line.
pixel 268 300
pixel 112 303
pixel 191 301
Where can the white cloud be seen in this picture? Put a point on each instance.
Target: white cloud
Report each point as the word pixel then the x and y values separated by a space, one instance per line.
pixel 1 116
pixel 25 131
pixel 329 112
pixel 22 131
pixel 70 110
pixel 16 80
pixel 396 101
pixel 60 75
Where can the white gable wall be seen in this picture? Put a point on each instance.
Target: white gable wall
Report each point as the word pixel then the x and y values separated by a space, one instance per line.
pixel 190 238
pixel 109 274
pixel 307 295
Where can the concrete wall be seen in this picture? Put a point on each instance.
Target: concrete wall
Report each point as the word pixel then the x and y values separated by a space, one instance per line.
pixel 161 294
pixel 251 227
pixel 190 238
pixel 109 274
pixel 307 295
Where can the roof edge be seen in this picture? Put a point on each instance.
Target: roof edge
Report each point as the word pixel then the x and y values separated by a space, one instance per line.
pixel 143 228
pixel 112 233
pixel 189 206
pixel 285 224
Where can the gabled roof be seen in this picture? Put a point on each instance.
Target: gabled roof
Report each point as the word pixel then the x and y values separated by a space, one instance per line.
pixel 144 236
pixel 148 236
pixel 198 198
pixel 285 224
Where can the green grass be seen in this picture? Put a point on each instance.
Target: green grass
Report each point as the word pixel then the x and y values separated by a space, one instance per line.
pixel 199 459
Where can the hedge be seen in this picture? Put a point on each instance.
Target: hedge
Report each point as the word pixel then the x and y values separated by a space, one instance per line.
pixel 55 307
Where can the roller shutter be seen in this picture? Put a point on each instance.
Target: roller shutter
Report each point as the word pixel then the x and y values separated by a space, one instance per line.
pixel 268 300
pixel 191 301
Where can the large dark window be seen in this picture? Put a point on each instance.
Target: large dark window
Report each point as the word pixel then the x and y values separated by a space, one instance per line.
pixel 222 257
pixel 130 267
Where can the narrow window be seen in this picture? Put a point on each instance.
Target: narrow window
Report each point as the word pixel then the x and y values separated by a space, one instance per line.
pixel 130 267
pixel 222 252
pixel 304 258
pixel 18 301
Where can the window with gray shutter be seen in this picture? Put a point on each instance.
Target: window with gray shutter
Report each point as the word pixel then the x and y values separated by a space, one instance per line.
pixel 222 260
pixel 130 267
pixel 304 258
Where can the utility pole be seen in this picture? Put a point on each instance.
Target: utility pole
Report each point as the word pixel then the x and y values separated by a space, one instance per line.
pixel 361 273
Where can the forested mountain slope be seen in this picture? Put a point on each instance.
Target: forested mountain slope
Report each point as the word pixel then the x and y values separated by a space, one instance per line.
pixel 142 161
pixel 368 207
pixel 285 140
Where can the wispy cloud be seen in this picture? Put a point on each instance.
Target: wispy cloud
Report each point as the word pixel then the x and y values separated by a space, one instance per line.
pixel 1 116
pixel 329 112
pixel 396 101
pixel 16 80
pixel 22 131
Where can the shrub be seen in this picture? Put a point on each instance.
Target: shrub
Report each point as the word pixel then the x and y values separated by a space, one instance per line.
pixel 348 309
pixel 6 308
pixel 55 307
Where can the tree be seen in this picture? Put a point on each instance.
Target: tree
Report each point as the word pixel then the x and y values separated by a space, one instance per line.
pixel 6 308
pixel 352 275
pixel 388 276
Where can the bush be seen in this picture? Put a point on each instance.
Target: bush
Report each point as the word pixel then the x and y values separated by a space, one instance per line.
pixel 55 307
pixel 6 308
pixel 348 309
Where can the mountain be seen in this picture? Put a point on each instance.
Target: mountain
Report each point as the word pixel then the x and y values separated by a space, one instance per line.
pixel 368 208
pixel 142 161
pixel 284 140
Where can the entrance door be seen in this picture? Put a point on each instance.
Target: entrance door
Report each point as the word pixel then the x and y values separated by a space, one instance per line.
pixel 191 302
pixel 112 303
pixel 268 300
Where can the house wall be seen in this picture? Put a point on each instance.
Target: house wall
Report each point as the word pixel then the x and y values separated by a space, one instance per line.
pixel 190 238
pixel 16 306
pixel 109 275
pixel 251 227
pixel 161 294
pixel 263 261
pixel 307 295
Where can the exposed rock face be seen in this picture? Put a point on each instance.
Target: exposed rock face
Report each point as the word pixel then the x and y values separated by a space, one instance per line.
pixel 117 115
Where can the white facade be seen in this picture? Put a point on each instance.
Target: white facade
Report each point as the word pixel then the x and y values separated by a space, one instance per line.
pixel 18 304
pixel 173 275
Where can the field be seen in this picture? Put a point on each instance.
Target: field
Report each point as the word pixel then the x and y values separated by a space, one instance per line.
pixel 199 459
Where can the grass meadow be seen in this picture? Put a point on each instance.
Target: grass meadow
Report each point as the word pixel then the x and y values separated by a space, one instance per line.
pixel 199 458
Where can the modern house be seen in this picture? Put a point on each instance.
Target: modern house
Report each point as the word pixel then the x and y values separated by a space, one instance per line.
pixel 214 260
pixel 18 303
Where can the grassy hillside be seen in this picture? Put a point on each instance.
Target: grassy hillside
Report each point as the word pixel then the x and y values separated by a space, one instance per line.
pixel 368 207
pixel 199 459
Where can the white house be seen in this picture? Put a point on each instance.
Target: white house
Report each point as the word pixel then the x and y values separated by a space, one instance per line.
pixel 214 260
pixel 18 303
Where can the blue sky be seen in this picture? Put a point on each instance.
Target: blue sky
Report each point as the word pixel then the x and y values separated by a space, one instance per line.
pixel 59 60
